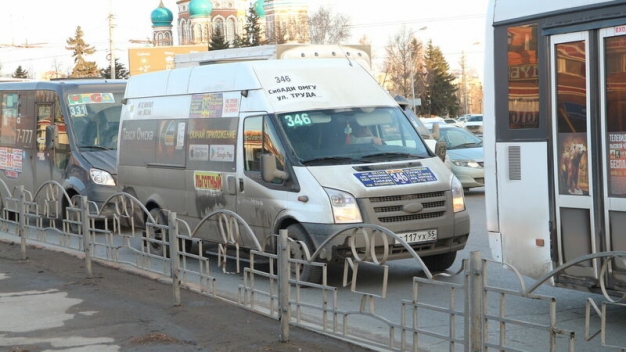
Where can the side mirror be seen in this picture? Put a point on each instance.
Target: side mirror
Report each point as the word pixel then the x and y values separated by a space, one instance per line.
pixel 50 136
pixel 440 150
pixel 268 169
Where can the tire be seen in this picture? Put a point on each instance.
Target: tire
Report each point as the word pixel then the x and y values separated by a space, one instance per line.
pixel 308 273
pixel 439 262
pixel 154 248
pixel 162 234
pixel 75 203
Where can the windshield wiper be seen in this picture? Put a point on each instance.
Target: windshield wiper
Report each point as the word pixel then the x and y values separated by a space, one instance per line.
pixel 95 147
pixel 393 155
pixel 336 159
pixel 465 145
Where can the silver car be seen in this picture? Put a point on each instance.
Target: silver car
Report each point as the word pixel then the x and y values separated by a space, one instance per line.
pixel 474 124
pixel 465 151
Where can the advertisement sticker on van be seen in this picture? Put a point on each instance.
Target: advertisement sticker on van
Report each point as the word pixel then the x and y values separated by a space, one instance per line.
pixel 211 105
pixel 207 181
pixel 90 98
pixel 395 177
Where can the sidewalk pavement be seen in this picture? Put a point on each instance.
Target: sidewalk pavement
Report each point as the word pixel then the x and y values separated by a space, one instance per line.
pixel 47 303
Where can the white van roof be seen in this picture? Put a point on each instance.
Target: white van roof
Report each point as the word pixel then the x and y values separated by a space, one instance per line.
pixel 289 85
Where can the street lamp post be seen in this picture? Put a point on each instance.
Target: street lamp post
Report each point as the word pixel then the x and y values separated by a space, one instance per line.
pixel 413 83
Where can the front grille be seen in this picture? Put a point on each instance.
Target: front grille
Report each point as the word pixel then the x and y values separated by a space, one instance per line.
pixel 390 209
pixel 411 217
pixel 403 197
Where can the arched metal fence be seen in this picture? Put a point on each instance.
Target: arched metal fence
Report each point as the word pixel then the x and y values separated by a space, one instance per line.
pixel 475 312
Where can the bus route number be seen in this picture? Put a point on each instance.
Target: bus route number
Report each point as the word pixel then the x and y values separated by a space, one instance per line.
pixel 78 110
pixel 399 177
pixel 297 120
pixel 282 79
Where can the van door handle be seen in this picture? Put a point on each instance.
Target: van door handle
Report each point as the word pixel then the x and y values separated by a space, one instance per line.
pixel 241 185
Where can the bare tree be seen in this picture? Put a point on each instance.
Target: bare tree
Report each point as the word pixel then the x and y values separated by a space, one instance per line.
pixel 296 31
pixel 57 68
pixel 328 28
pixel 404 64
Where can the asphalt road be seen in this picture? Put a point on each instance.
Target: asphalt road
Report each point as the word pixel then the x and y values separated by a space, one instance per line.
pixel 47 303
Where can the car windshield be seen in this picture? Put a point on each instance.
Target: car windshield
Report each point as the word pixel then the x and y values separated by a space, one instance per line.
pixel 95 119
pixel 475 118
pixel 352 135
pixel 459 138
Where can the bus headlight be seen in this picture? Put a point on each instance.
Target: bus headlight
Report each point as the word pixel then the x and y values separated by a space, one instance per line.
pixel 345 209
pixel 458 196
pixel 101 177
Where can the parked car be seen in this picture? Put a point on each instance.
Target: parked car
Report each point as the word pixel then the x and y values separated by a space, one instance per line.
pixel 474 124
pixel 465 151
pixel 424 131
pixel 461 119
pixel 429 121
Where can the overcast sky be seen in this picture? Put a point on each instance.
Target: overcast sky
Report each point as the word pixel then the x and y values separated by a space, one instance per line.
pixel 455 26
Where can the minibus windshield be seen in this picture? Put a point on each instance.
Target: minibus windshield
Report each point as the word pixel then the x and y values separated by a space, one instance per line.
pixel 352 135
pixel 95 119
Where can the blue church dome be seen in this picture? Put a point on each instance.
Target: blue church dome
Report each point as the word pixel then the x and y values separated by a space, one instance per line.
pixel 200 8
pixel 258 8
pixel 161 16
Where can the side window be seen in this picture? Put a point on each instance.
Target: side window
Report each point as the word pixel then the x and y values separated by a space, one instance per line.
pixel 10 114
pixel 252 143
pixel 44 119
pixel 62 148
pixel 260 138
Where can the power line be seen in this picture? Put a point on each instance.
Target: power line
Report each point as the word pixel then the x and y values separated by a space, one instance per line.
pixel 427 20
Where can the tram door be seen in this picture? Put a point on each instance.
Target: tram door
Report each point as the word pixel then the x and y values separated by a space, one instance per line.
pixel 590 191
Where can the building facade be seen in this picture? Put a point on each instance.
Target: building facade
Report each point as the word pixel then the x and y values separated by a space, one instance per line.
pixel 281 21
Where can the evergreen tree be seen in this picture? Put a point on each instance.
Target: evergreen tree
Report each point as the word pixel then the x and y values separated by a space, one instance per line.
pixel 218 41
pixel 439 97
pixel 120 71
pixel 252 28
pixel 80 49
pixel 238 42
pixel 20 73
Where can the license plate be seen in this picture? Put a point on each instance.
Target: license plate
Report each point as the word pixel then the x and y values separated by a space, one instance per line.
pixel 419 236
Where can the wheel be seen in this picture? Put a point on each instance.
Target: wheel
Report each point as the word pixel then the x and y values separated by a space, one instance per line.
pixel 439 262
pixel 308 273
pixel 73 216
pixel 156 248
pixel 160 249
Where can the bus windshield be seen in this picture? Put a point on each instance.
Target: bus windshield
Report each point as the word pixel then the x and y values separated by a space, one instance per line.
pixel 352 135
pixel 95 119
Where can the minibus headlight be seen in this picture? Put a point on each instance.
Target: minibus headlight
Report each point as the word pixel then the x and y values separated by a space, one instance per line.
pixel 458 196
pixel 101 177
pixel 345 209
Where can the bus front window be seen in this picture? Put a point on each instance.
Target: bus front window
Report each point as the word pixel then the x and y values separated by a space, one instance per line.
pixel 95 123
pixel 361 135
